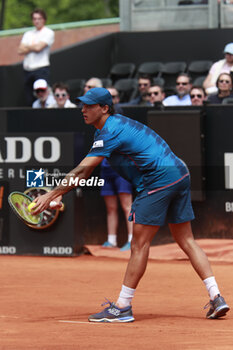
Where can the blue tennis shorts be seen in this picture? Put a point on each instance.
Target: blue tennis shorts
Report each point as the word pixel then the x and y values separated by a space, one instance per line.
pixel 114 185
pixel 172 202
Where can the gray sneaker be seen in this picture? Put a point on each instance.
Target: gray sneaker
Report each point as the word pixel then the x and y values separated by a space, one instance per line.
pixel 218 308
pixel 112 313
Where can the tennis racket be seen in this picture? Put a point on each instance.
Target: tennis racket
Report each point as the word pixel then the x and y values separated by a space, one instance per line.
pixel 50 215
pixel 19 202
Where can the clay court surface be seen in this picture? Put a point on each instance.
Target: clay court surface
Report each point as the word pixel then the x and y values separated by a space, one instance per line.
pixel 45 303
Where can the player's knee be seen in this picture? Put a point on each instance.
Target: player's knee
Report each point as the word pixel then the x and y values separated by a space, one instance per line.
pixel 187 244
pixel 138 245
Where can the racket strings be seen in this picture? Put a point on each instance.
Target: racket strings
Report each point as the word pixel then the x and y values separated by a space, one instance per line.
pixel 19 203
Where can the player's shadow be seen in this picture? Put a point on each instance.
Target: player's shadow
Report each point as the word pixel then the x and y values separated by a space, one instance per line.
pixel 143 317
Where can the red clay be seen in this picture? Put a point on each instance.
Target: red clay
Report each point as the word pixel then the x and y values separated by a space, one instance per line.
pixel 45 303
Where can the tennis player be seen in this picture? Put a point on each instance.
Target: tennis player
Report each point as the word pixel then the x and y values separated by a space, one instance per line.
pixel 162 182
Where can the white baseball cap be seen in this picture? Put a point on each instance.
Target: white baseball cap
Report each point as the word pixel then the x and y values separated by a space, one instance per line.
pixel 229 48
pixel 40 84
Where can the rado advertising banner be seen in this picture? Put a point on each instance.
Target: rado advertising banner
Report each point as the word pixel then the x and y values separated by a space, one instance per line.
pixel 33 163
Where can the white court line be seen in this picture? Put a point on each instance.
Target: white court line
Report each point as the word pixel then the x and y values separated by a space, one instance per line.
pixel 67 321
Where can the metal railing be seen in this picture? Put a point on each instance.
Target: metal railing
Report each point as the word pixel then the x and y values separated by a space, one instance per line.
pixel 62 26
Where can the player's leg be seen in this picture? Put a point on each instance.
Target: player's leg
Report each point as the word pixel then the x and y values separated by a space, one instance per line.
pixel 179 214
pixel 140 245
pixel 111 203
pixel 122 310
pixel 148 213
pixel 183 235
pixel 126 203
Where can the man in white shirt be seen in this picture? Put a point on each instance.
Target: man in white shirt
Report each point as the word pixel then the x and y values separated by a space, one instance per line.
pixel 43 93
pixel 182 98
pixel 62 97
pixel 35 46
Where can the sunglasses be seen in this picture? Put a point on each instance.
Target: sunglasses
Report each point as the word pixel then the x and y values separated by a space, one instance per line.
pixel 197 95
pixel 178 83
pixel 61 95
pixel 89 86
pixel 153 93
pixel 114 96
pixel 224 81
pixel 40 90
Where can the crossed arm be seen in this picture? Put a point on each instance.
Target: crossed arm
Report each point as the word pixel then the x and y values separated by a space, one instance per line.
pixel 25 49
pixel 82 171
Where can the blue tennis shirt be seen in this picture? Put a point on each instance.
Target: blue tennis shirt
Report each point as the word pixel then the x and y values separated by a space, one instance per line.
pixel 137 153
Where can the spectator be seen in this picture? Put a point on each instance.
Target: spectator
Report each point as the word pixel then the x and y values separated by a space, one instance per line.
pixel 43 94
pixel 182 98
pixel 92 83
pixel 116 187
pixel 62 97
pixel 222 66
pixel 144 83
pixel 224 85
pixel 35 46
pixel 156 95
pixel 115 99
pixel 197 95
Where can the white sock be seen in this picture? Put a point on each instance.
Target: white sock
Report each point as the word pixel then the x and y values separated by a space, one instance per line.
pixel 112 239
pixel 130 235
pixel 126 296
pixel 212 287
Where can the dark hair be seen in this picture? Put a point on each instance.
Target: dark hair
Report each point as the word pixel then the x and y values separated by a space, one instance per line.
pixel 146 76
pixel 184 75
pixel 61 86
pixel 111 109
pixel 228 74
pixel 199 87
pixel 40 12
pixel 157 85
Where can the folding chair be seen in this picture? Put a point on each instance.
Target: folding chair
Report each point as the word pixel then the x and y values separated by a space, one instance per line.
pixel 122 71
pixel 127 89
